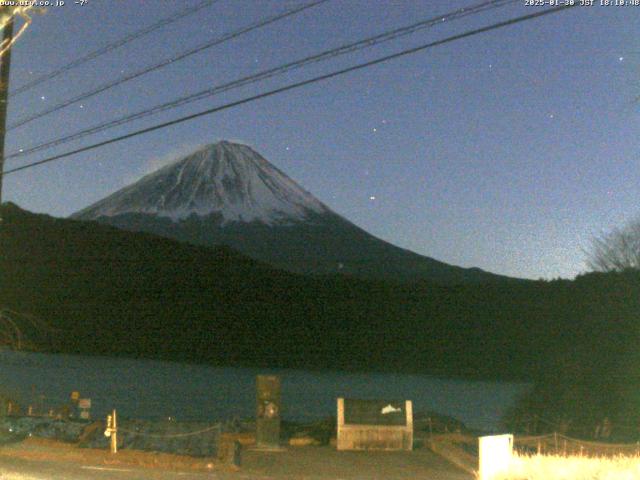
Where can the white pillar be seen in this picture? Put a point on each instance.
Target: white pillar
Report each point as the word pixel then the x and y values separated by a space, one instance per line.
pixel 495 453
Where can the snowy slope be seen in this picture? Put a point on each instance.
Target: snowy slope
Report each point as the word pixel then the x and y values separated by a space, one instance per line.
pixel 225 178
pixel 228 194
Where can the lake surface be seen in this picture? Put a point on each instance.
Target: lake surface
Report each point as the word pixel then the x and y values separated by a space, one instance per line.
pixel 154 389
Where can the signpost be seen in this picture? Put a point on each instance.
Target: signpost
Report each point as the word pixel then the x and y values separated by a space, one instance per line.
pixel 268 412
pixel 112 431
pixel 84 405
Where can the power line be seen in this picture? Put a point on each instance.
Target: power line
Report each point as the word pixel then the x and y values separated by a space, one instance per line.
pixel 112 46
pixel 169 61
pixel 296 85
pixel 265 74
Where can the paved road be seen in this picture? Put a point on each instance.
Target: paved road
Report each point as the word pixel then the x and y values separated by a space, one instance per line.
pixel 306 463
pixel 20 469
pixel 324 463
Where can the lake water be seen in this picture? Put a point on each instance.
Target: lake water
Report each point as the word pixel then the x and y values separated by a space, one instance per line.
pixel 153 389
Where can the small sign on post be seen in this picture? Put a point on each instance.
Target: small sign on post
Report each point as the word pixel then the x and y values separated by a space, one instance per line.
pixel 84 405
pixel 495 453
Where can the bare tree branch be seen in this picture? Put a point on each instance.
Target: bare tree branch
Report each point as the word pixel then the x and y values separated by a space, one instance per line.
pixel 617 250
pixel 12 326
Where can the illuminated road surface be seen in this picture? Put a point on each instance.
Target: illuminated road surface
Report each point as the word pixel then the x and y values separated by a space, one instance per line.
pixel 309 463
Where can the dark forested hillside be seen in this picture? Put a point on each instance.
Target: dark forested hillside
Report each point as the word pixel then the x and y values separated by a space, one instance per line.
pixel 105 291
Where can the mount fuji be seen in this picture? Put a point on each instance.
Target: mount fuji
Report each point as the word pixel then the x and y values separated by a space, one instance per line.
pixel 227 193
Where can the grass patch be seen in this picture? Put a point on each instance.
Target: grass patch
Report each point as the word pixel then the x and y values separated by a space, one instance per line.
pixel 558 467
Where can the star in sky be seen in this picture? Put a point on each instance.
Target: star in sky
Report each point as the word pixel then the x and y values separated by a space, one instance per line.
pixel 427 91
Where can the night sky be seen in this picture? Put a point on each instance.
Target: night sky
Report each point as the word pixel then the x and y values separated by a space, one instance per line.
pixel 506 151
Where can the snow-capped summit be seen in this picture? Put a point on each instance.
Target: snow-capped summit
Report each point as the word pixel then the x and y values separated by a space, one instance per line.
pixel 228 194
pixel 228 179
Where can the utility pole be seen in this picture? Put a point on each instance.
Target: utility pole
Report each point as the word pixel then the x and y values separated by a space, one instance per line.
pixel 5 64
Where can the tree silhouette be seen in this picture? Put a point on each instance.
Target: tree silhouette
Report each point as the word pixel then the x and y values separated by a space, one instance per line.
pixel 618 250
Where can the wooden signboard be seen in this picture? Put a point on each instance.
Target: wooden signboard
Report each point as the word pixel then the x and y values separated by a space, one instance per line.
pixel 375 424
